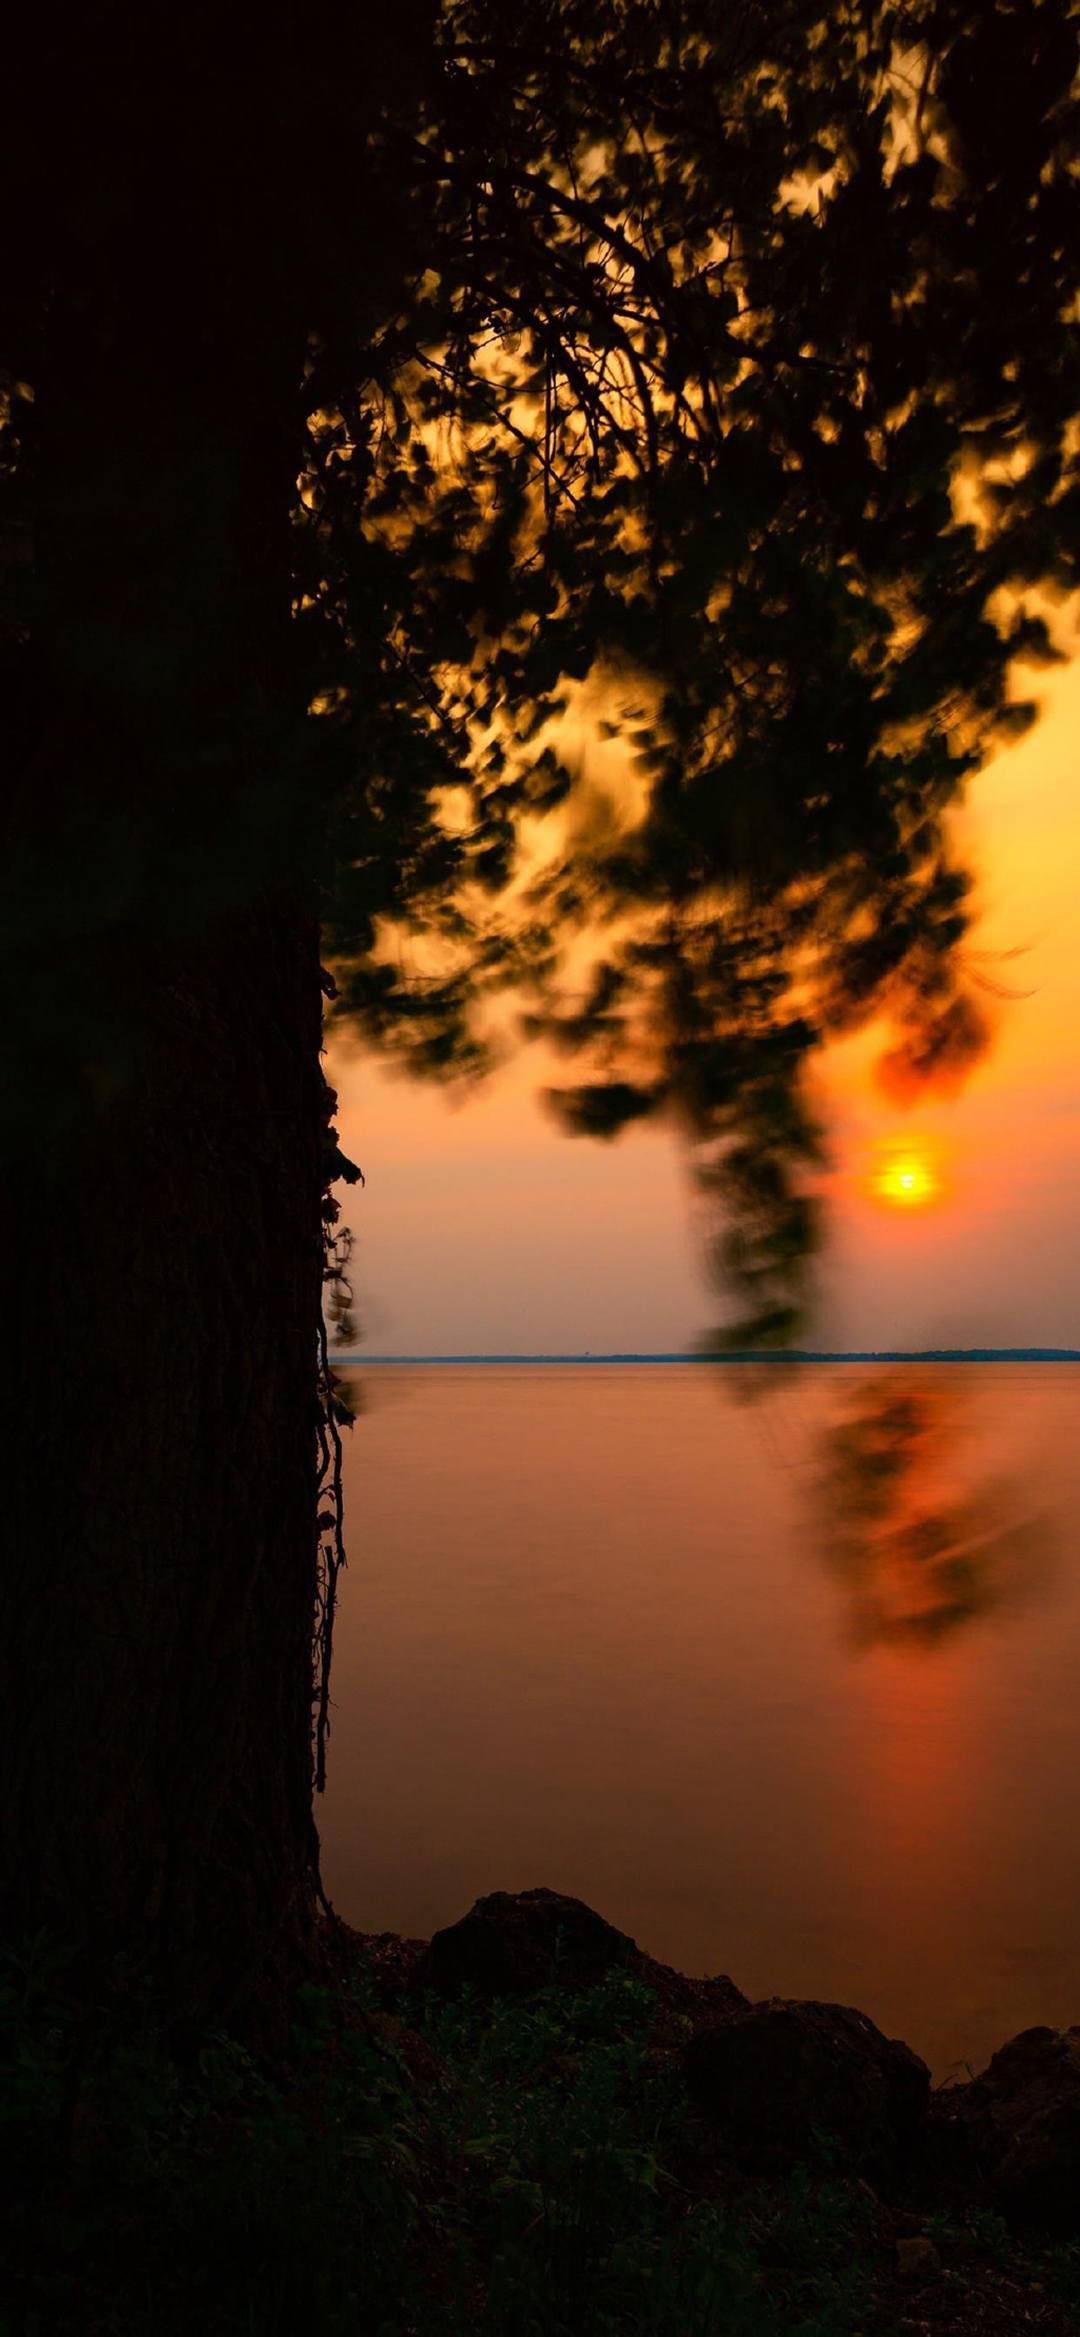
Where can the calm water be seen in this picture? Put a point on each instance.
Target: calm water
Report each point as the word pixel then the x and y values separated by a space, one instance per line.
pixel 787 1688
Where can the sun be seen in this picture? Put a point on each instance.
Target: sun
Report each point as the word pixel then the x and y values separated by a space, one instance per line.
pixel 906 1180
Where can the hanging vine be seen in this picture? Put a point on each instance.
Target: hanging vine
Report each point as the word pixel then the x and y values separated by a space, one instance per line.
pixel 335 1412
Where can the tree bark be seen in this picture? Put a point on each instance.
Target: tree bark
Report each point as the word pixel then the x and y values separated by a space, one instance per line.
pixel 160 1584
pixel 163 1139
pixel 188 216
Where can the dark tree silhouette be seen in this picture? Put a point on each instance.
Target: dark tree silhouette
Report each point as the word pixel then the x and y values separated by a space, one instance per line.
pixel 189 222
pixel 703 362
pixel 635 358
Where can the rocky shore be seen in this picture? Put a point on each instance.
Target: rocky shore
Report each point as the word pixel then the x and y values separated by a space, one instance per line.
pixel 527 2127
pixel 966 2186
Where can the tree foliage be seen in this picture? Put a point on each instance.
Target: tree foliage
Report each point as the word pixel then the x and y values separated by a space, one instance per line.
pixel 729 409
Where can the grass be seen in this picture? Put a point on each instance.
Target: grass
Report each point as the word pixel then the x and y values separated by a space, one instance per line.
pixel 530 2169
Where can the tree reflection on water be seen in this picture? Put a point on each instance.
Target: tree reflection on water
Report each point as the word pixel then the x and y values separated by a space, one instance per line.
pixel 922 1547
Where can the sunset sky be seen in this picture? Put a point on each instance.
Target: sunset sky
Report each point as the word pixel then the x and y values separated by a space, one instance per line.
pixel 952 1222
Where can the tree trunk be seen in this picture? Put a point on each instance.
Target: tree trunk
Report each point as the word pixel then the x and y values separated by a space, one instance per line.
pixel 163 1146
pixel 160 1584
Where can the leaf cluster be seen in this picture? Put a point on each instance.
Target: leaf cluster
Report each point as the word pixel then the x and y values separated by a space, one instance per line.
pixel 729 424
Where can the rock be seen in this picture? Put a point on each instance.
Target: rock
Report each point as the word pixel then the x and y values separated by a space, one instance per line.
pixel 787 2081
pixel 388 1960
pixel 1022 2117
pixel 718 1995
pixel 515 1941
pixel 916 2258
pixel 682 2003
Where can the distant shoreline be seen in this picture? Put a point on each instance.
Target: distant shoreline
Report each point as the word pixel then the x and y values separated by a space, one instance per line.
pixel 759 1355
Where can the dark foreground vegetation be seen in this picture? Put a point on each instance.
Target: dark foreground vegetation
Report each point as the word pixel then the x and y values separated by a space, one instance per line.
pixel 529 2127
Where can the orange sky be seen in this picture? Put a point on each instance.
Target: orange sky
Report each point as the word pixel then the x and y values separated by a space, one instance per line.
pixel 482 1229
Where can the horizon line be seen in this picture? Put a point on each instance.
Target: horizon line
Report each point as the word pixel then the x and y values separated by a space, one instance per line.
pixel 739 1355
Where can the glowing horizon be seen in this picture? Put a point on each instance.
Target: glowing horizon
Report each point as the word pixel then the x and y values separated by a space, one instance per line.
pixel 484 1229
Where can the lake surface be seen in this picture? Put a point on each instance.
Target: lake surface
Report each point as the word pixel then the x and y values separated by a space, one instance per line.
pixel 780 1673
